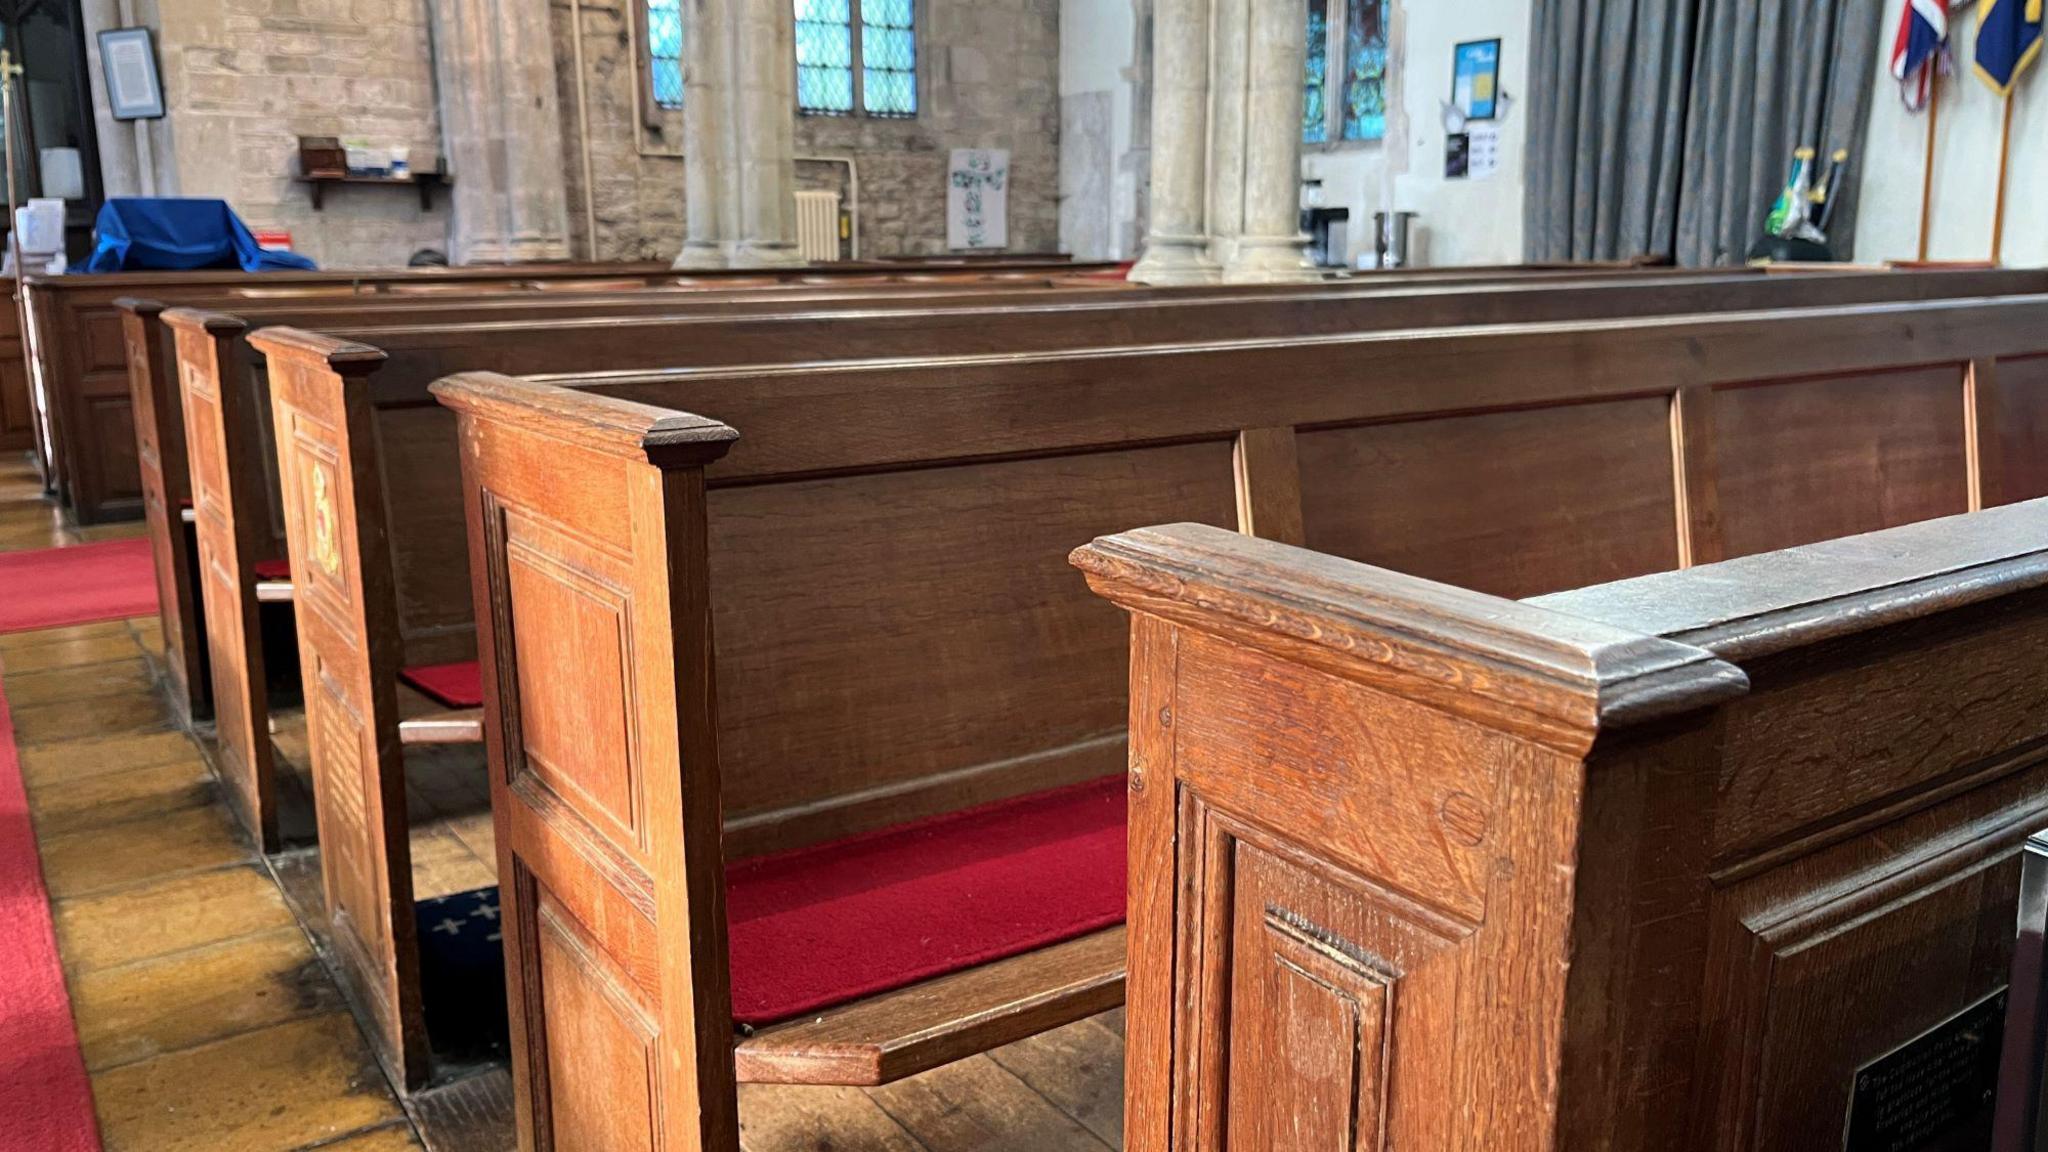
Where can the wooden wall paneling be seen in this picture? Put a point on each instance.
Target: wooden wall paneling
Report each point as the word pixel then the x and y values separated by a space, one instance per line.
pixel 607 818
pixel 2013 435
pixel 1814 459
pixel 1268 475
pixel 17 416
pixel 946 654
pixel 222 491
pixel 349 656
pixel 1516 503
pixel 158 403
pixel 1696 466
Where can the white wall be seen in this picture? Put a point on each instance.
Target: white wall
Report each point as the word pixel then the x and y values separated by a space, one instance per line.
pixel 1965 163
pixel 1104 95
pixel 1466 221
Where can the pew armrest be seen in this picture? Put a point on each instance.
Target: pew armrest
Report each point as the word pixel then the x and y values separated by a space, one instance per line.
pixel 1534 673
pixel 664 438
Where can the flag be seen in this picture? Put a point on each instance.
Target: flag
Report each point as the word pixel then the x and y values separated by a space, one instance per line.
pixel 2008 39
pixel 1923 37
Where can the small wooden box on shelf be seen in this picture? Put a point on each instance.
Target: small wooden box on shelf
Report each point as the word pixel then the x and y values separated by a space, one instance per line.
pixel 323 161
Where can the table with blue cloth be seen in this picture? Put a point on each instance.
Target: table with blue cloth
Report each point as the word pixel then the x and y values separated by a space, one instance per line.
pixel 135 234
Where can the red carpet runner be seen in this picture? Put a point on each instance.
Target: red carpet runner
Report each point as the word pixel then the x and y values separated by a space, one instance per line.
pixel 45 1099
pixel 52 587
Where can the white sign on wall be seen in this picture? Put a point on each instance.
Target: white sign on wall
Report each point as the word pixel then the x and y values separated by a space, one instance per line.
pixel 978 198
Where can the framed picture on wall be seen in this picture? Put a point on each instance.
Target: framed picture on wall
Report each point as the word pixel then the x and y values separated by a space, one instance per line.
pixel 128 61
pixel 1475 78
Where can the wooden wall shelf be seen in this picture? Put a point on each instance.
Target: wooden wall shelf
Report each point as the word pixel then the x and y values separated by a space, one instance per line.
pixel 426 182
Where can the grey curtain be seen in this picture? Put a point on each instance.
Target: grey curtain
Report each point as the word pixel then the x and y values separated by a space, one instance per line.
pixel 1665 127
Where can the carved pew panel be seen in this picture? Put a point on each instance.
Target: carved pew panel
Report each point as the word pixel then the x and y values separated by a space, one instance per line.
pixel 158 403
pixel 1668 863
pixel 229 549
pixel 343 602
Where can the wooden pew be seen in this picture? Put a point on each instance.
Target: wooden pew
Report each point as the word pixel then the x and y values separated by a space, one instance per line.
pixel 77 346
pixel 160 425
pixel 17 420
pixel 432 590
pixel 858 615
pixel 1721 859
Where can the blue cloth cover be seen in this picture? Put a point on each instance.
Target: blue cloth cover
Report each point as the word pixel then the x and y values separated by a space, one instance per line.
pixel 137 234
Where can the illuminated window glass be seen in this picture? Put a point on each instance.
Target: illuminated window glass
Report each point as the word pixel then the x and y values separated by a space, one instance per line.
pixel 824 57
pixel 1316 75
pixel 888 58
pixel 665 51
pixel 1365 71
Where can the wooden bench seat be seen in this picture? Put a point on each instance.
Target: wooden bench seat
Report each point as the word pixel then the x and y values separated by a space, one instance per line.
pixel 1723 858
pixel 848 618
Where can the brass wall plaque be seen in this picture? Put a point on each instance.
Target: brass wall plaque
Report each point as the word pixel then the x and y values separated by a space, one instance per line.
pixel 1935 1092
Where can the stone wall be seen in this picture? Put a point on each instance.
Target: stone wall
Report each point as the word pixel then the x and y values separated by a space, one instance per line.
pixel 243 79
pixel 989 78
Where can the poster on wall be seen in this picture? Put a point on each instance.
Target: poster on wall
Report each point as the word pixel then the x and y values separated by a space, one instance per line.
pixel 1475 78
pixel 978 198
pixel 128 61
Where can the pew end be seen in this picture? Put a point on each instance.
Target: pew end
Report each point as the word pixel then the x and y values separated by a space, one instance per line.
pixel 1567 872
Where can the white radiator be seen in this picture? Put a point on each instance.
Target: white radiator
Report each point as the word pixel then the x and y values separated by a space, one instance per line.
pixel 817 226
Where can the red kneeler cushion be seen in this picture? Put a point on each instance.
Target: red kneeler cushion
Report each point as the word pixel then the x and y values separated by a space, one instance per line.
pixel 851 918
pixel 459 685
pixel 273 569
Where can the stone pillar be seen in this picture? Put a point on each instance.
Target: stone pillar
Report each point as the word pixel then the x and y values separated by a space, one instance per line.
pixel 1272 247
pixel 1176 251
pixel 495 63
pixel 706 135
pixel 1229 42
pixel 764 175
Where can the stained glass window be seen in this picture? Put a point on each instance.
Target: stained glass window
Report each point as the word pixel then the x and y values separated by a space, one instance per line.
pixel 1316 78
pixel 824 57
pixel 665 51
pixel 888 57
pixel 1365 71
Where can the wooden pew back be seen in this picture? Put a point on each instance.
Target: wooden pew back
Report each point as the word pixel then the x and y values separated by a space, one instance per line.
pixel 78 349
pixel 1679 862
pixel 159 415
pixel 859 617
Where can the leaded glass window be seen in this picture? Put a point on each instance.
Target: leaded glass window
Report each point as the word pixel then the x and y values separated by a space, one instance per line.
pixel 665 51
pixel 1347 102
pixel 1365 71
pixel 829 38
pixel 824 56
pixel 888 57
pixel 1316 75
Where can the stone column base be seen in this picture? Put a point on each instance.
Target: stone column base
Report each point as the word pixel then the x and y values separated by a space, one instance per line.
pixel 760 254
pixel 699 257
pixel 1270 260
pixel 1170 260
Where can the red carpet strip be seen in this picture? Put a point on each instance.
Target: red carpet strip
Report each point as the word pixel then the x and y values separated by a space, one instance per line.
pixel 45 1099
pixel 868 914
pixel 53 587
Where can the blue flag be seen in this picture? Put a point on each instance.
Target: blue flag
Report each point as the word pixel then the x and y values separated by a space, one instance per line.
pixel 2008 39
